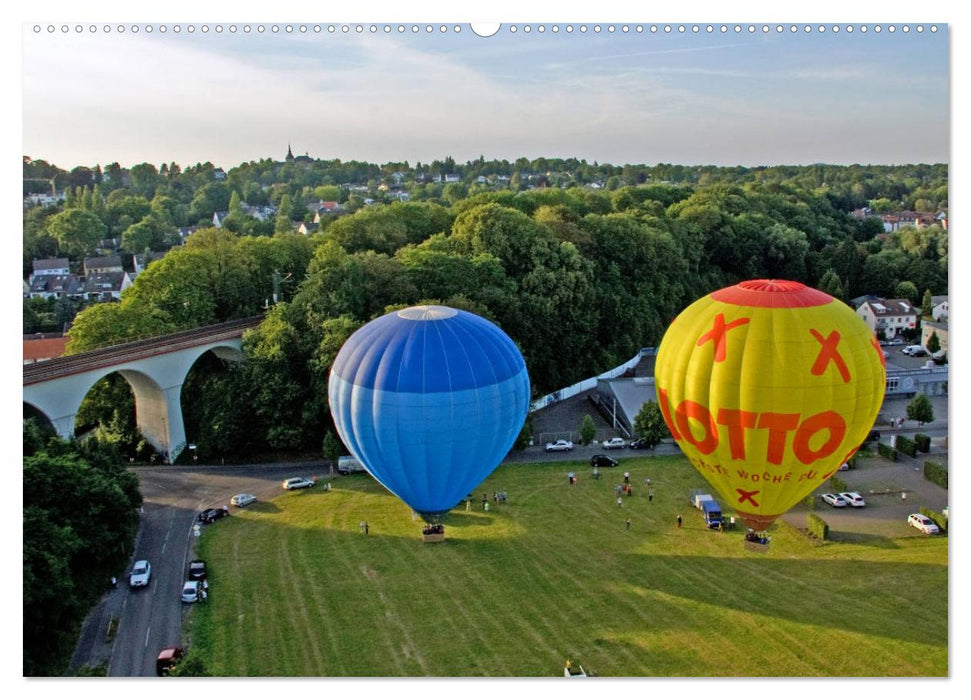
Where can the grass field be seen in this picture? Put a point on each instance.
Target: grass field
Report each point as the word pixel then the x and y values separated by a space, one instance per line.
pixel 552 574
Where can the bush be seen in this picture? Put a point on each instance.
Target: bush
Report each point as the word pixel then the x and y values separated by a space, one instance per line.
pixel 936 472
pixel 817 526
pixel 887 451
pixel 938 518
pixel 588 429
pixel 907 446
pixel 837 485
pixel 810 502
pixel 923 442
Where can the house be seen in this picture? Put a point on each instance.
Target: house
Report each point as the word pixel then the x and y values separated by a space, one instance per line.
pixel 897 221
pixel 43 346
pixel 306 229
pixel 108 246
pixel 218 218
pixel 889 316
pixel 105 286
pixel 258 212
pixel 141 260
pixel 47 286
pixel 51 266
pixel 106 263
pixel 939 308
pixel 186 231
pixel 219 174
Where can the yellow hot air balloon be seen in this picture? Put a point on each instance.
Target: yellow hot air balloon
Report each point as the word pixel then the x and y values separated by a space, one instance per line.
pixel 768 386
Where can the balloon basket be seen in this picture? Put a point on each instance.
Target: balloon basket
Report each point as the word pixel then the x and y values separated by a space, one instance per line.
pixel 756 546
pixel 433 533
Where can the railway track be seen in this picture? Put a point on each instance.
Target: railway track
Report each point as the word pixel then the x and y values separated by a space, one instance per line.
pixel 134 350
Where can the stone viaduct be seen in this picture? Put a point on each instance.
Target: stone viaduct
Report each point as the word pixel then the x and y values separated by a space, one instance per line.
pixel 155 368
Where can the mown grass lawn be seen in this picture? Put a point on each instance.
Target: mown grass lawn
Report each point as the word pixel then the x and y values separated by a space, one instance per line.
pixel 298 590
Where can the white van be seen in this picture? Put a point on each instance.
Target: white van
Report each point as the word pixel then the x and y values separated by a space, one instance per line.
pixel 915 350
pixel 347 465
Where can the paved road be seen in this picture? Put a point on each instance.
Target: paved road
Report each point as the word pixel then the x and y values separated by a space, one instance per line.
pixel 151 619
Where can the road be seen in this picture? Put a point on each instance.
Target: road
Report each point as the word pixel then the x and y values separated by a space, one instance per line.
pixel 150 619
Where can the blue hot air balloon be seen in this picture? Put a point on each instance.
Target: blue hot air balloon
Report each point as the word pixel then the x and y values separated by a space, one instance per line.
pixel 429 399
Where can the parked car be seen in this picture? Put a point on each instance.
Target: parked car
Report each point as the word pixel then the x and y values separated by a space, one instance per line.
pixel 559 446
pixel 197 570
pixel 297 482
pixel 213 514
pixel 242 499
pixel 922 523
pixel 853 499
pixel 167 659
pixel 614 443
pixel 194 591
pixel 603 461
pixel 638 444
pixel 914 350
pixel 141 572
pixel 834 500
pixel 873 435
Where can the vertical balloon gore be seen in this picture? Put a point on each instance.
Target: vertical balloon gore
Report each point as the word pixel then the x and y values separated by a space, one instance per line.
pixel 768 386
pixel 429 399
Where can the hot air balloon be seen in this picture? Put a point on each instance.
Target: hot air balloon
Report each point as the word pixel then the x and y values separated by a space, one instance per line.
pixel 768 386
pixel 429 399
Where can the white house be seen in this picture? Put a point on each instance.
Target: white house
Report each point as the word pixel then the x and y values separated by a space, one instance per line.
pixel 939 308
pixel 891 316
pixel 51 266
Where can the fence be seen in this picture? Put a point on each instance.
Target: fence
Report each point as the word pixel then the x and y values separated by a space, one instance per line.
pixel 590 383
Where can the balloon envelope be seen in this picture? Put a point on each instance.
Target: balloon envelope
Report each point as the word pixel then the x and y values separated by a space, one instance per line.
pixel 768 386
pixel 429 399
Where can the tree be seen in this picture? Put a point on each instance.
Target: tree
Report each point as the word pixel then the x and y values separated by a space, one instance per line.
pixel 649 424
pixel 933 343
pixel 907 290
pixel 830 283
pixel 927 305
pixel 588 430
pixel 920 410
pixel 331 450
pixel 77 232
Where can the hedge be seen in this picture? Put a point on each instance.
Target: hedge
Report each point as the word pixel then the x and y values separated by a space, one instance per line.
pixel 938 518
pixel 906 445
pixel 887 451
pixel 837 484
pixel 936 472
pixel 817 526
pixel 923 442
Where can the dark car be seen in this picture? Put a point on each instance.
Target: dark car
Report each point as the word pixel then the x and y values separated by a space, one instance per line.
pixel 603 461
pixel 197 569
pixel 638 444
pixel 212 515
pixel 874 435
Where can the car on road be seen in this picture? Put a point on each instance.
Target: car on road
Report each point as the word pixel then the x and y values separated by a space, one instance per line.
pixel 559 446
pixel 923 523
pixel 297 482
pixel 194 591
pixel 167 659
pixel 197 570
pixel 834 499
pixel 638 444
pixel 348 465
pixel 211 515
pixel 614 443
pixel 141 572
pixel 914 350
pixel 242 499
pixel 892 341
pixel 603 461
pixel 853 499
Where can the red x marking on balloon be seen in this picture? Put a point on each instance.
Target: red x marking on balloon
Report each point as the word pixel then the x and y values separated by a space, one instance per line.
pixel 717 334
pixel 829 353
pixel 747 496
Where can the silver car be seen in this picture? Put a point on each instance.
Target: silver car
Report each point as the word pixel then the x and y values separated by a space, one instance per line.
pixel 141 572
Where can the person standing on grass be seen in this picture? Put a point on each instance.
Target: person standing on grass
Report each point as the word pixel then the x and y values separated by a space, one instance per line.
pixel 367 528
pixel 650 495
pixel 626 477
pixel 620 501
pixel 679 522
pixel 628 523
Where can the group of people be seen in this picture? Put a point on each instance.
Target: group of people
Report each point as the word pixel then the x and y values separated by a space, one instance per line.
pixel 757 537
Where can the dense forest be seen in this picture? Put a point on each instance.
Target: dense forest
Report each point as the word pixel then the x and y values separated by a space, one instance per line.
pixel 580 277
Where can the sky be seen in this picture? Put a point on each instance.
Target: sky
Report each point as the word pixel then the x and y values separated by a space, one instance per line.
pixel 734 98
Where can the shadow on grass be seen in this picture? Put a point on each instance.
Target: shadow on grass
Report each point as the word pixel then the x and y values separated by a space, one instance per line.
pixel 759 585
pixel 264 507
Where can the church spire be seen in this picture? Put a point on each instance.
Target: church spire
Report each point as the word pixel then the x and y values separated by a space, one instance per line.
pixel 289 152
